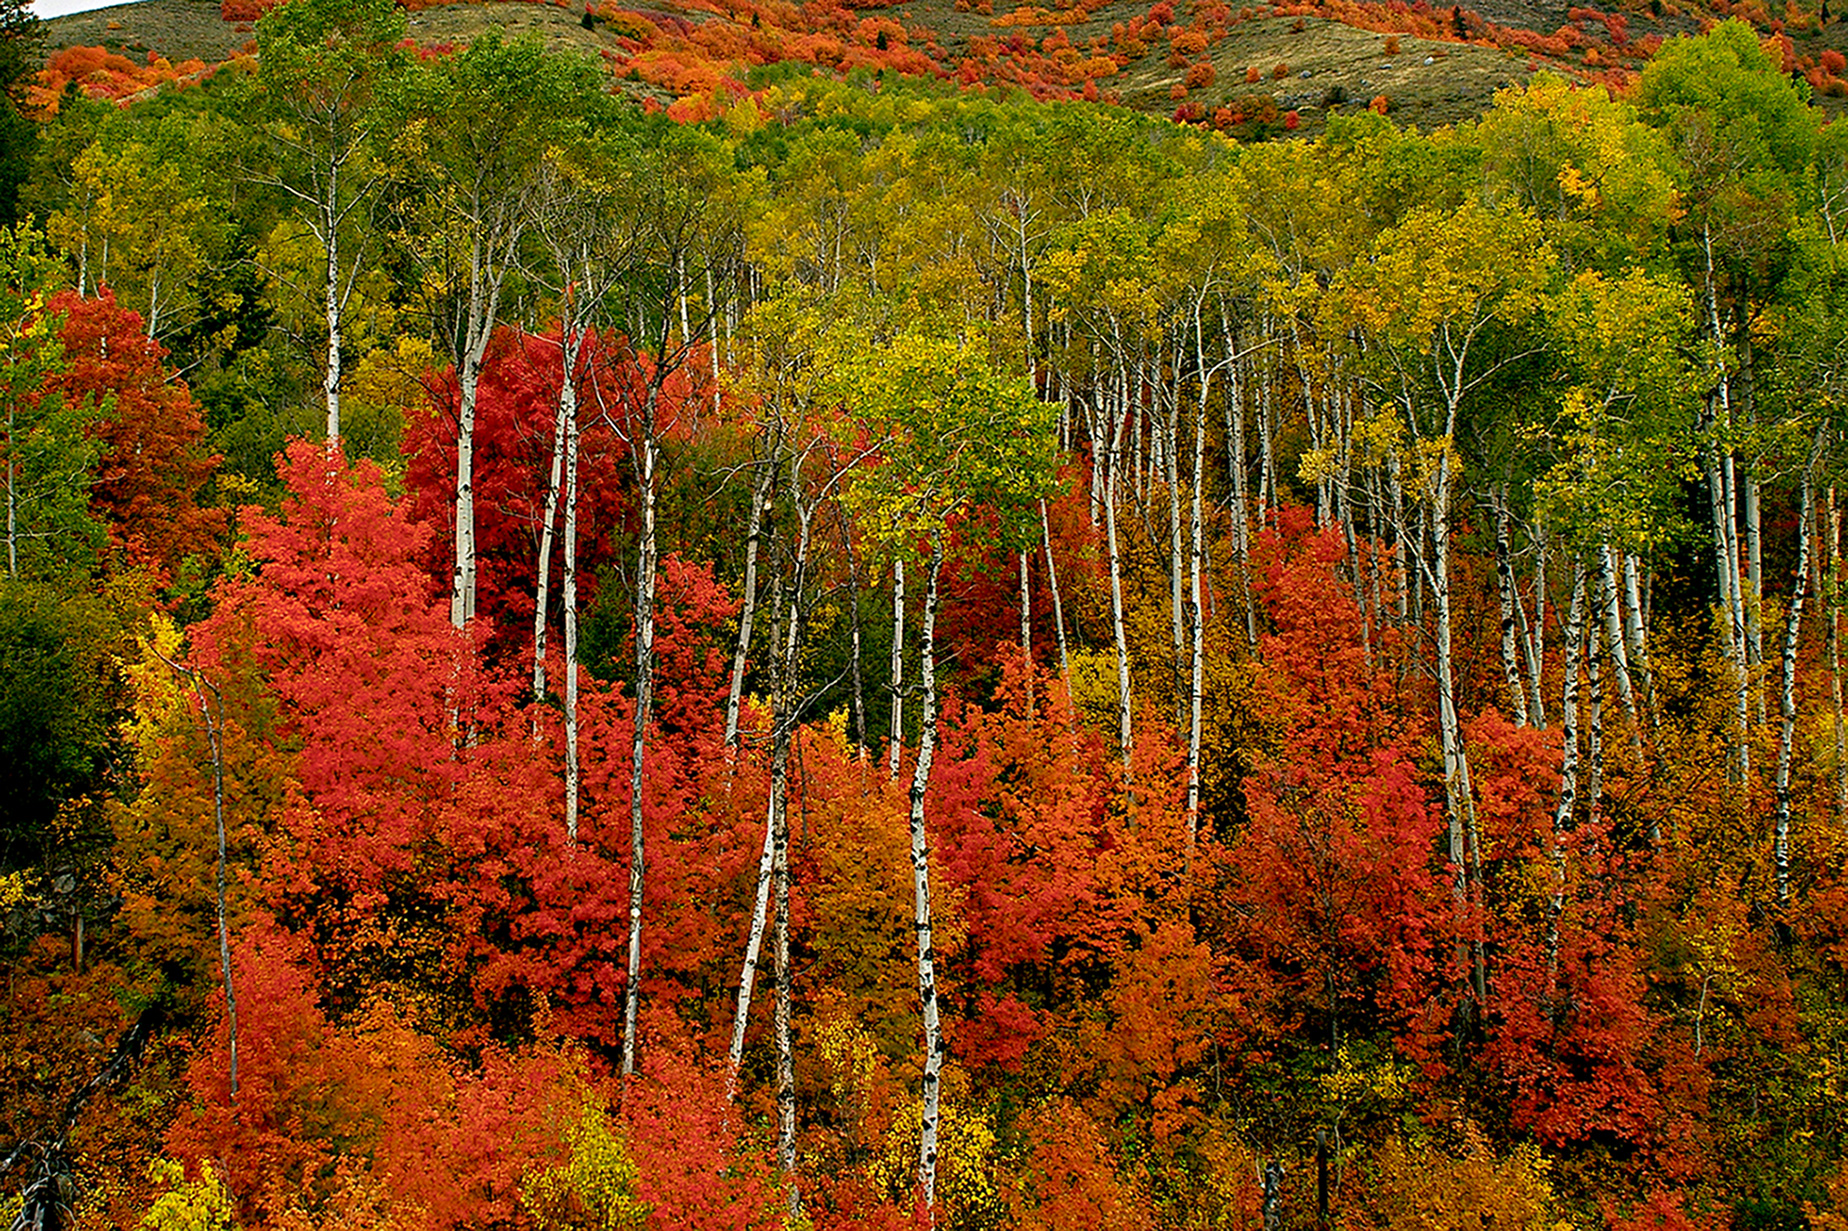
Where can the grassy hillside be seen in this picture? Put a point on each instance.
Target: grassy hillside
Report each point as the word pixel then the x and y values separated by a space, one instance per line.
pixel 1242 69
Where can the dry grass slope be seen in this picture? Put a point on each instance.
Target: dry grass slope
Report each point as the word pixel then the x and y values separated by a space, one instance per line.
pixel 1428 84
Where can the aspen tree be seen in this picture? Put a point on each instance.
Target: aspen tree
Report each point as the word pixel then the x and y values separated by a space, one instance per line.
pixel 322 66
pixel 953 433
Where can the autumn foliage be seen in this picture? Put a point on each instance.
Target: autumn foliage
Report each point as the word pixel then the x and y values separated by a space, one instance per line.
pixel 1381 763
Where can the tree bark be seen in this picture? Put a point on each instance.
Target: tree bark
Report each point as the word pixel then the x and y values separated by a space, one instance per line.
pixel 215 736
pixel 1504 586
pixel 1787 682
pixel 920 881
pixel 760 493
pixel 572 345
pixel 1058 607
pixel 1614 640
pixel 644 704
pixel 573 768
pixel 896 744
pixel 1833 594
pixel 1568 783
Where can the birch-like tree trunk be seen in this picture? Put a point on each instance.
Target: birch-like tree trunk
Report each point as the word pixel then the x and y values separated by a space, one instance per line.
pixel 572 343
pixel 896 744
pixel 1534 647
pixel 481 311
pixel 215 737
pixel 573 767
pixel 931 1095
pixel 1832 591
pixel 1614 641
pixel 747 609
pixel 1787 677
pixel 1594 726
pixel 1504 588
pixel 647 547
pixel 785 1051
pixel 1112 550
pixel 775 831
pixel 1058 607
pixel 1568 782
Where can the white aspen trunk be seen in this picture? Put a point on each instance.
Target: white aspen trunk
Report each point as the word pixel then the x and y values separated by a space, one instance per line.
pixel 1504 586
pixel 785 1051
pixel 1349 518
pixel 896 745
pixel 1458 796
pixel 1235 451
pixel 1400 572
pixel 483 307
pixel 1026 308
pixel 153 304
pixel 775 831
pixel 680 280
pixel 1375 536
pixel 1196 678
pixel 1635 632
pixel 644 701
pixel 1726 556
pixel 1754 579
pixel 1118 629
pixel 712 350
pixel 215 735
pixel 567 413
pixel 1787 681
pixel 920 882
pixel 330 224
pixel 1026 625
pixel 573 767
pixel 1594 705
pixel 1456 780
pixel 1058 607
pixel 1536 642
pixel 760 495
pixel 859 675
pixel 1833 593
pixel 1725 528
pixel 785 724
pixel 462 593
pixel 1267 470
pixel 1568 783
pixel 1614 641
pixel 1177 555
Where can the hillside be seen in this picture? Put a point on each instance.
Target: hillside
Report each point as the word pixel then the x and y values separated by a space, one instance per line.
pixel 910 652
pixel 1242 70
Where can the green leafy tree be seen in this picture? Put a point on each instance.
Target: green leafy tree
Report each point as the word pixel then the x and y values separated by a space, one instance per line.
pixel 321 66
pixel 473 128
pixel 46 451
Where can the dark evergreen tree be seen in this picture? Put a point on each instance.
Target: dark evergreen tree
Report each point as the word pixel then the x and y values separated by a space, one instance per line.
pixel 21 42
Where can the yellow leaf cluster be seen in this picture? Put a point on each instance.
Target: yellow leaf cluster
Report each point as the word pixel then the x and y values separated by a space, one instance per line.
pixel 203 1204
pixel 594 1188
pixel 1419 1187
